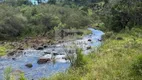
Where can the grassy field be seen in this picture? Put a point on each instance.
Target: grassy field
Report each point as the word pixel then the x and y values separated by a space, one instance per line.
pixel 119 58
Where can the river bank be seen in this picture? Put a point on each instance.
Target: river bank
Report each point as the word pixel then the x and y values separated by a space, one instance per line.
pixel 118 58
pixel 7 46
pixel 29 42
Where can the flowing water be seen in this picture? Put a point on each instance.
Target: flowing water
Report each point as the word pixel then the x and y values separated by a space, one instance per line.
pixel 50 68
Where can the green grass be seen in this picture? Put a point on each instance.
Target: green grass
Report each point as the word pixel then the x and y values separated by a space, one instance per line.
pixel 2 50
pixel 115 60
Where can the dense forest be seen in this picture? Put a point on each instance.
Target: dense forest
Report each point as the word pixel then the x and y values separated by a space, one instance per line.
pixel 119 58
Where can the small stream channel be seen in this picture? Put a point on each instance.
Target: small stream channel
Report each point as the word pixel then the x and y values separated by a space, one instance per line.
pixel 45 70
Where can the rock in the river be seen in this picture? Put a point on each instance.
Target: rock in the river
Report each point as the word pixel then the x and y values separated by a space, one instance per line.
pixel 53 49
pixel 18 53
pixel 89 40
pixel 34 46
pixel 29 65
pixel 12 53
pixel 45 46
pixel 40 48
pixel 66 58
pixel 100 40
pixel 43 60
pixel 88 47
pixel 13 58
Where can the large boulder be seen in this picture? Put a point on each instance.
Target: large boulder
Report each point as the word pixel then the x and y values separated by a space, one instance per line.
pixel 43 60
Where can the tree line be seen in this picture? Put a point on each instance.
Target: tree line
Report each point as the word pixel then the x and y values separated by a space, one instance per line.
pixel 21 18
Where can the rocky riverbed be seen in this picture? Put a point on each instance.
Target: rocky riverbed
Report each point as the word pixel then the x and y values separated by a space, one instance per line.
pixel 45 60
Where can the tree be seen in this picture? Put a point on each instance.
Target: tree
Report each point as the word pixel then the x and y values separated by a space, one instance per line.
pixel 52 1
pixel 124 13
pixel 39 1
pixel 17 2
pixel 25 2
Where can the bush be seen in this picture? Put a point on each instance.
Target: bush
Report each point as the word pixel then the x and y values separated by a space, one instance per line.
pixel 2 50
pixel 7 72
pixel 22 77
pixel 12 22
pixel 80 60
pixel 124 13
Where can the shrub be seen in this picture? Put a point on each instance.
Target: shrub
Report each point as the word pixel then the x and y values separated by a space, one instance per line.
pixel 137 66
pixel 22 77
pixel 7 72
pixel 80 60
pixel 2 50
pixel 124 13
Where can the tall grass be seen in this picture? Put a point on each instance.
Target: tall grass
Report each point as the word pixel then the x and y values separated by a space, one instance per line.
pixel 9 76
pixel 7 72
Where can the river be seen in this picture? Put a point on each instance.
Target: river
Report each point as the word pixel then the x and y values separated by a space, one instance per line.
pixel 37 71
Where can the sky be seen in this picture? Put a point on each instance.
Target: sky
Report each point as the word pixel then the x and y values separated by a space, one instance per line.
pixel 36 3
